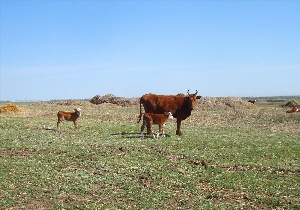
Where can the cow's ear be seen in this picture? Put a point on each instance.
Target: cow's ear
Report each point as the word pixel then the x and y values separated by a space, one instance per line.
pixel 198 97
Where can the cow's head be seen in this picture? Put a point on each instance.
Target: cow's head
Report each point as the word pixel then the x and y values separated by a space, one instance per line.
pixel 191 99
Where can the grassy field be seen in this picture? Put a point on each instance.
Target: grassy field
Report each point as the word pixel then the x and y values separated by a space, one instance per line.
pixel 229 158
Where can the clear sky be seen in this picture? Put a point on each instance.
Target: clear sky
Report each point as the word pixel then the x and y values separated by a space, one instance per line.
pixel 76 49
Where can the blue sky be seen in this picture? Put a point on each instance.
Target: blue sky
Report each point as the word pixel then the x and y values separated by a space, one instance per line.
pixel 76 49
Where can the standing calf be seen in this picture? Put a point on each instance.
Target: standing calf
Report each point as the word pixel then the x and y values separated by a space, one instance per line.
pixel 69 116
pixel 158 119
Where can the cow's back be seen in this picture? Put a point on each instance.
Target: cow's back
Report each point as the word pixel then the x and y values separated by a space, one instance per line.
pixel 159 104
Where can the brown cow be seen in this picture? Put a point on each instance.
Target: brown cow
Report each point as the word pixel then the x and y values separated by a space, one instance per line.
pixel 69 116
pixel 157 119
pixel 180 106
pixel 294 109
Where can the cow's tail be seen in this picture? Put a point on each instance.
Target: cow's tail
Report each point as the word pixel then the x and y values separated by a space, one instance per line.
pixel 140 116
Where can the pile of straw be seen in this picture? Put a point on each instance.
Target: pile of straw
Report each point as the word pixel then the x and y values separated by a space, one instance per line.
pixel 8 108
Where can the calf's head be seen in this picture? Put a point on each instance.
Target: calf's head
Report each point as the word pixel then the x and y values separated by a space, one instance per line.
pixel 78 111
pixel 169 114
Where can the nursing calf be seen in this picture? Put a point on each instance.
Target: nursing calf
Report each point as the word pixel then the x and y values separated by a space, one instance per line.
pixel 181 106
pixel 158 119
pixel 69 116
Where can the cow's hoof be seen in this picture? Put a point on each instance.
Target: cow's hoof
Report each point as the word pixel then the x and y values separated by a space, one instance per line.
pixel 178 133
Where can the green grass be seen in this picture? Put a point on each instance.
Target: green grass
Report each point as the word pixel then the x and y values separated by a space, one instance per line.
pixel 104 164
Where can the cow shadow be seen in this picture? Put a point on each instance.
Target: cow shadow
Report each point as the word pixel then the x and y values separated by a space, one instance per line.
pixel 129 135
pixel 148 136
pixel 136 135
pixel 50 129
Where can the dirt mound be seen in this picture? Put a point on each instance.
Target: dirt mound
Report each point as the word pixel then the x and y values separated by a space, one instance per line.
pixel 8 108
pixel 209 102
pixel 225 102
pixel 71 103
pixel 292 103
pixel 111 99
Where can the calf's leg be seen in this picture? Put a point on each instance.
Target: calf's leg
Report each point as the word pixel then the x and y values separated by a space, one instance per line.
pixel 76 124
pixel 149 128
pixel 163 130
pixel 142 129
pixel 160 130
pixel 59 120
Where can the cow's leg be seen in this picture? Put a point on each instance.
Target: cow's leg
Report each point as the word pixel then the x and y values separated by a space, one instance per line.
pixel 178 131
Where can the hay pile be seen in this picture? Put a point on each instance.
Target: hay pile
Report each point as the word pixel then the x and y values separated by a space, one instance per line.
pixel 111 99
pixel 292 103
pixel 9 108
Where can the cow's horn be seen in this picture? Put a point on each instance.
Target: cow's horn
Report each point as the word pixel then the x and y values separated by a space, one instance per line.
pixel 196 92
pixel 188 92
